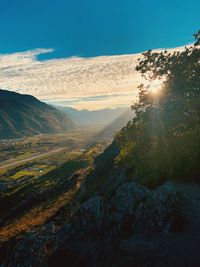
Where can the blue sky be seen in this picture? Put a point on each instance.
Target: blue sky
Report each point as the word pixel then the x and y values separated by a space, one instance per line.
pixel 89 28
pixel 57 30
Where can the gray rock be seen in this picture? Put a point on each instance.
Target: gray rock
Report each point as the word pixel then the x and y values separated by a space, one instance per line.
pixel 128 196
pixel 142 251
pixel 89 215
pixel 77 253
pixel 64 233
pixel 157 212
pixel 33 249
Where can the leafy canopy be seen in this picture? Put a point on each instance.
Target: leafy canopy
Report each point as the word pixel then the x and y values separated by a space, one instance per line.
pixel 163 140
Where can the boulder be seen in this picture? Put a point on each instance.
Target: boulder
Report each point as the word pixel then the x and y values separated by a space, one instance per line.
pixel 63 235
pixel 34 248
pixel 137 251
pixel 157 212
pixel 128 197
pixel 89 216
pixel 76 253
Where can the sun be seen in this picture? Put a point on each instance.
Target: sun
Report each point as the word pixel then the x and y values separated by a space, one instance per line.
pixel 155 90
pixel 155 87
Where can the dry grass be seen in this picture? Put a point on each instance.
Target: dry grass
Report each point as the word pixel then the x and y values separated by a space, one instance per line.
pixel 38 215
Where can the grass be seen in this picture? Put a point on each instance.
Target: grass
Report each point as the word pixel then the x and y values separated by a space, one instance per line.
pixel 38 215
pixel 39 166
pixel 18 199
pixel 21 174
pixel 29 203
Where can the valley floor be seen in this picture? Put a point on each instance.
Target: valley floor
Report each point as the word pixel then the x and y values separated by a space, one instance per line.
pixel 34 175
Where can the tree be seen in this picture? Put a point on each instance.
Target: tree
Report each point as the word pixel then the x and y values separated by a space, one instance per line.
pixel 163 140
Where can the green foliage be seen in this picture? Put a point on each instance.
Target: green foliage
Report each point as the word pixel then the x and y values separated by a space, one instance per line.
pixel 37 191
pixel 163 141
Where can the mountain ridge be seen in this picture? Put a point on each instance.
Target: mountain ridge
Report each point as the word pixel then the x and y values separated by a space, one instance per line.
pixel 102 117
pixel 24 115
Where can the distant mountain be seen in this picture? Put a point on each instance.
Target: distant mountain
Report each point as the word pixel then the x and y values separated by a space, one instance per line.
pixel 24 115
pixel 103 117
pixel 109 130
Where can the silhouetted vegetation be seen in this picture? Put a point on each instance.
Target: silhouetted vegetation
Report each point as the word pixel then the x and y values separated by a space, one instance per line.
pixel 163 141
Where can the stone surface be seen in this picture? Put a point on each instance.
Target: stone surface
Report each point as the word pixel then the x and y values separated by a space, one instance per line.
pixel 34 248
pixel 89 215
pixel 127 230
pixel 128 196
pixel 157 212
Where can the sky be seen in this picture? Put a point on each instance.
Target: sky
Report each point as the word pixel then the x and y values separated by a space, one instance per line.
pixel 104 37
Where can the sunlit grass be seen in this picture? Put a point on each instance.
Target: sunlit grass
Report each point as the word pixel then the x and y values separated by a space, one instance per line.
pixel 21 174
pixel 40 214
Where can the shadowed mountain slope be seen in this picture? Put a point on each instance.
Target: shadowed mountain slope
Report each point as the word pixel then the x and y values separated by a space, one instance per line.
pixel 24 115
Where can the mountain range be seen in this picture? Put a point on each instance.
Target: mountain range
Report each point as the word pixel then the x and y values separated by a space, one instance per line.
pixel 24 115
pixel 101 118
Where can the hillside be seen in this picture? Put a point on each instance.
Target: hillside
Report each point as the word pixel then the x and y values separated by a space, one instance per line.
pixel 24 115
pixel 102 219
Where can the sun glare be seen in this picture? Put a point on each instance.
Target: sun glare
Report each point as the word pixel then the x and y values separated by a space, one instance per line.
pixel 155 90
pixel 156 87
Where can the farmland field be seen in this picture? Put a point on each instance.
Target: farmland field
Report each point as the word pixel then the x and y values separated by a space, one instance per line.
pixel 36 170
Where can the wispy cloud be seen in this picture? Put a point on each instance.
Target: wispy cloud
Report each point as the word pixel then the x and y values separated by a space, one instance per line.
pixel 72 79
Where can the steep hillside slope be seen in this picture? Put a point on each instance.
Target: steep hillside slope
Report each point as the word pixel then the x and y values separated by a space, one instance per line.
pixel 24 115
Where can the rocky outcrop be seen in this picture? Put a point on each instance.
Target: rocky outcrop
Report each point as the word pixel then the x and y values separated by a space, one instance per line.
pixel 33 249
pixel 98 226
pixel 127 198
pixel 157 212
pixel 89 216
pixel 94 235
